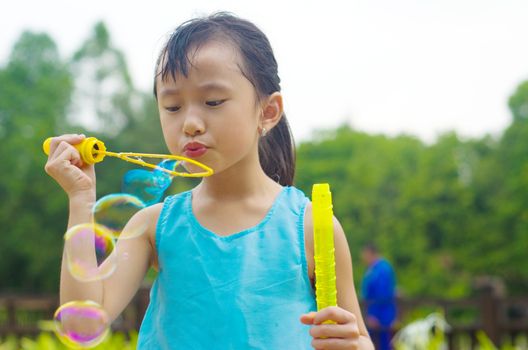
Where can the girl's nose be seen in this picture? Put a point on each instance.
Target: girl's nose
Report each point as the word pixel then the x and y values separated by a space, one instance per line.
pixel 193 125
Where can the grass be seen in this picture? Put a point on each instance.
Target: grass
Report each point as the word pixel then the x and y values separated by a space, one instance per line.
pixel 47 341
pixel 429 334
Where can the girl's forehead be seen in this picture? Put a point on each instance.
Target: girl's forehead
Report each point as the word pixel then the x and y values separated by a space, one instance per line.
pixel 215 55
pixel 212 59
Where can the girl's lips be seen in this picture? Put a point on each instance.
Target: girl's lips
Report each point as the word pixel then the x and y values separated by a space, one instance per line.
pixel 194 150
pixel 195 153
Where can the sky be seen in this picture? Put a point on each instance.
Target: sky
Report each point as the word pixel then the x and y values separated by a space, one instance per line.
pixel 419 67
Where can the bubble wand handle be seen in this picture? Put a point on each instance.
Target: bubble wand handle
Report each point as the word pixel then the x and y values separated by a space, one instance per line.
pixel 91 149
pixel 324 257
pixel 94 151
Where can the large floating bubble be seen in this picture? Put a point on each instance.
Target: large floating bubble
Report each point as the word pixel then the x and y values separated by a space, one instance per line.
pixel 149 186
pixel 89 252
pixel 81 324
pixel 115 210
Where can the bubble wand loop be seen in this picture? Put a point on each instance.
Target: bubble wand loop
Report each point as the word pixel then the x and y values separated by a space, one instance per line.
pixel 93 151
pixel 325 277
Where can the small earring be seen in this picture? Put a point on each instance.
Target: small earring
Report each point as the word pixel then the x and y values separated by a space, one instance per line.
pixel 263 132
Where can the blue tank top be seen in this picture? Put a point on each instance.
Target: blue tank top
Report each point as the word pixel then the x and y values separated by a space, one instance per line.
pixel 242 291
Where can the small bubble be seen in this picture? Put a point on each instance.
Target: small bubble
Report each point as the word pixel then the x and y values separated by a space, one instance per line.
pixel 81 324
pixel 88 249
pixel 149 186
pixel 115 210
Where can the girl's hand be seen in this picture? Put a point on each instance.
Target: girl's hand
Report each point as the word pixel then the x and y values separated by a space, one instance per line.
pixel 67 168
pixel 342 335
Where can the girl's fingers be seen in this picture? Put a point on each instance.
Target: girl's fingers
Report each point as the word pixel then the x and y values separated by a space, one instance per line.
pixel 343 334
pixel 66 167
pixel 335 344
pixel 65 152
pixel 308 318
pixel 335 331
pixel 71 139
pixel 334 313
pixel 66 161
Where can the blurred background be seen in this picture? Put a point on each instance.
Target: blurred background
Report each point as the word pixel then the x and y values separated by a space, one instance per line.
pixel 415 112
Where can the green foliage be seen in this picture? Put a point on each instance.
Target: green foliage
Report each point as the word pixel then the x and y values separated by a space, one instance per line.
pixel 518 102
pixel 443 213
pixel 10 343
pixel 104 93
pixel 47 341
pixel 432 209
pixel 484 342
pixel 407 197
pixel 429 334
pixel 35 89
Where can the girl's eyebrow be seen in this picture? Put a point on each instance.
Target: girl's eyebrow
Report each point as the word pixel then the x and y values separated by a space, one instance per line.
pixel 169 91
pixel 207 86
pixel 214 85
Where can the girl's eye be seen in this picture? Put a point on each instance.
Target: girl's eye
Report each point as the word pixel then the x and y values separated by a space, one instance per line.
pixel 172 109
pixel 214 103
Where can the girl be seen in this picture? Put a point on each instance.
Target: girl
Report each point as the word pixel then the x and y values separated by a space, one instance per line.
pixel 235 254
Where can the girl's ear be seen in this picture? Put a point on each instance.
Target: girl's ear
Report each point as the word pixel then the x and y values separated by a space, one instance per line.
pixel 272 111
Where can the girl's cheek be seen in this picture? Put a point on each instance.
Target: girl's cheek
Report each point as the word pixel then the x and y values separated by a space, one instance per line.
pixel 171 139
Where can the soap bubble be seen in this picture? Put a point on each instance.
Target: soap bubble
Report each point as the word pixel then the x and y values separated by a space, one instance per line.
pixel 81 324
pixel 115 210
pixel 88 250
pixel 149 186
pixel 144 185
pixel 169 164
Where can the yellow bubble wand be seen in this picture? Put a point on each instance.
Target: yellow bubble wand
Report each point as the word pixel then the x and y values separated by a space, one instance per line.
pixel 325 277
pixel 93 151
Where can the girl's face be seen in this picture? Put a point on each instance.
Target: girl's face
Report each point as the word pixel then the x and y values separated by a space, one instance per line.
pixel 211 115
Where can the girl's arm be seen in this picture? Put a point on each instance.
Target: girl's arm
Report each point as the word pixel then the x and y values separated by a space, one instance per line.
pixel 133 255
pixel 349 332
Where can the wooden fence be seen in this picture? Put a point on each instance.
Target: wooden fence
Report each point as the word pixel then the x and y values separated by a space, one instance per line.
pixel 499 318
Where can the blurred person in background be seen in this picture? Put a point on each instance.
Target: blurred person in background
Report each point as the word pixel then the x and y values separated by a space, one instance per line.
pixel 378 290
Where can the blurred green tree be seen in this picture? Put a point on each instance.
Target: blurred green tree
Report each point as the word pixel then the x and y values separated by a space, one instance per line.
pixel 443 213
pixel 35 89
pixel 107 104
pixel 499 239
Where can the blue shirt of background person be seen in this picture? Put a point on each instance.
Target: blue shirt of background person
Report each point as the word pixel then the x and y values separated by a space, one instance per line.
pixel 378 290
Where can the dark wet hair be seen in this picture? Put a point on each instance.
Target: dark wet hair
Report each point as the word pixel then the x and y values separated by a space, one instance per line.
pixel 276 149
